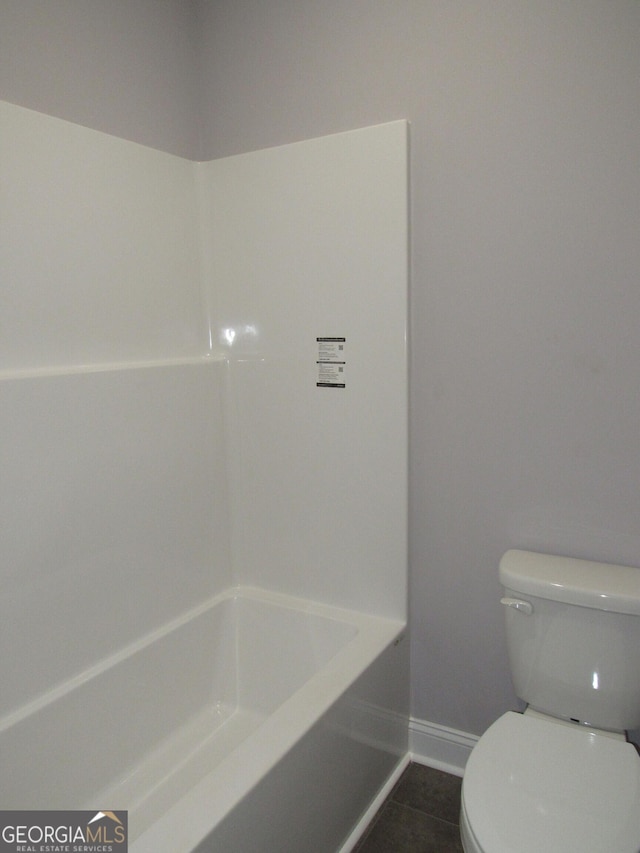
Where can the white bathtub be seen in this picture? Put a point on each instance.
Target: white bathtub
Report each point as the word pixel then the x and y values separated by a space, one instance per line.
pixel 257 722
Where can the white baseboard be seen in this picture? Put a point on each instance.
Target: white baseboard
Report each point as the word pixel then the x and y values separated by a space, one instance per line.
pixel 439 746
pixel 371 812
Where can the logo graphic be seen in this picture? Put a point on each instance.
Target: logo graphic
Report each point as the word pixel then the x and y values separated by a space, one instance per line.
pixel 63 832
pixel 99 815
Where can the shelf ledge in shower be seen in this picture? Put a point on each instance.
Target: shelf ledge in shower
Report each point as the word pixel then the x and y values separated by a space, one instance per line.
pixel 105 367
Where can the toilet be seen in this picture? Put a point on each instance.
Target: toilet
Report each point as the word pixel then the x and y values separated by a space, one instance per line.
pixel 561 777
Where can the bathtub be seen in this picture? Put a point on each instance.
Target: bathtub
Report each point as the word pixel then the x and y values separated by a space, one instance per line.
pixel 255 722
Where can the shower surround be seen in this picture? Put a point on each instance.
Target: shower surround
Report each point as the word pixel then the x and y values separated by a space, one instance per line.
pixel 203 398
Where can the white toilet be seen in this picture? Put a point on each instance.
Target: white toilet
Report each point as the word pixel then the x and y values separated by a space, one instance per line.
pixel 562 777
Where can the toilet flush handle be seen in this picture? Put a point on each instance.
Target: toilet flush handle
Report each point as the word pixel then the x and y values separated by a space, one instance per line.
pixel 518 604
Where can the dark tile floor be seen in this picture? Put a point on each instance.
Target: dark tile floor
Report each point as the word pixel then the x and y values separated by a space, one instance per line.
pixel 420 815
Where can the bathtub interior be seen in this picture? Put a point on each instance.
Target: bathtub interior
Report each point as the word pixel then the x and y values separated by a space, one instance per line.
pixel 161 714
pixel 306 774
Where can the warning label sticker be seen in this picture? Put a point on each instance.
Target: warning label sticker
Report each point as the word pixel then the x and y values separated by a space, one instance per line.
pixel 331 363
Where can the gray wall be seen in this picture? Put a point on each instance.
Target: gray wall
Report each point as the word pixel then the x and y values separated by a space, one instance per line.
pixel 125 67
pixel 525 297
pixel 525 183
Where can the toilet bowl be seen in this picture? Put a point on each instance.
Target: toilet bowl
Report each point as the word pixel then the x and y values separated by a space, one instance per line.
pixel 533 784
pixel 562 777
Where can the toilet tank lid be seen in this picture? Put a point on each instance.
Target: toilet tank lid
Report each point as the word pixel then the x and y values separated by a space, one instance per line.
pixel 602 586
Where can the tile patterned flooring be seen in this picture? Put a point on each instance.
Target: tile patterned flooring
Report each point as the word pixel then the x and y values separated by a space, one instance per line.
pixel 420 815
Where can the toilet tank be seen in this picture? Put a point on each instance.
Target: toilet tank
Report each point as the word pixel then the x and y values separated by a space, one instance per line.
pixel 573 636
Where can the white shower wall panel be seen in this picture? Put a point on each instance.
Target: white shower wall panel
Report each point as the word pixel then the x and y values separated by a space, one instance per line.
pixel 310 240
pixel 317 504
pixel 164 440
pixel 116 254
pixel 113 514
pixel 99 255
